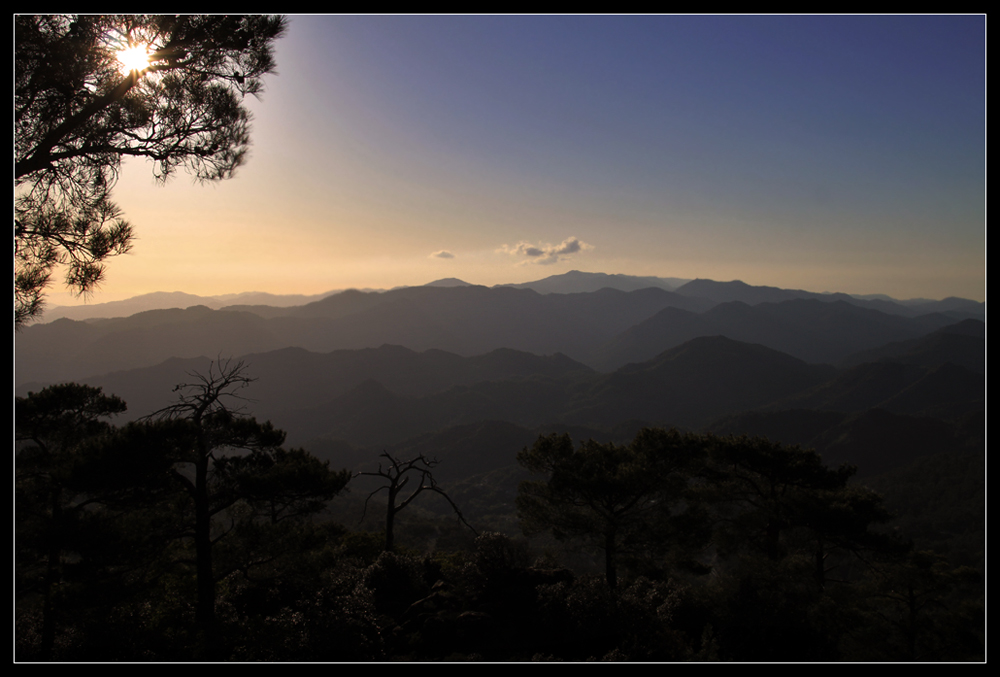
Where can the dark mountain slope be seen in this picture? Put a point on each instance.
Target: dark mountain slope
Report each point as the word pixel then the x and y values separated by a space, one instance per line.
pixel 696 382
pixel 948 390
pixel 292 379
pixel 877 440
pixel 874 440
pixel 963 344
pixel 463 320
pixel 723 292
pixel 788 426
pixel 386 395
pixel 575 282
pixel 811 330
pixel 67 350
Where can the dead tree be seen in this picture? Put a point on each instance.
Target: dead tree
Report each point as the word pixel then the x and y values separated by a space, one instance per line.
pixel 397 475
pixel 221 457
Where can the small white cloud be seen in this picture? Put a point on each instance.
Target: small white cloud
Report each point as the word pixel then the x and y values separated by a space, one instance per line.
pixel 443 254
pixel 545 254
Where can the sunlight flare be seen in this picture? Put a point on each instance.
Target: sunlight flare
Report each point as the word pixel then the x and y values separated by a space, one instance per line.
pixel 134 58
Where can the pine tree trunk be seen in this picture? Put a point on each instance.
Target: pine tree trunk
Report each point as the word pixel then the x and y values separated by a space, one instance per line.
pixel 205 607
pixel 52 577
pixel 390 518
pixel 610 550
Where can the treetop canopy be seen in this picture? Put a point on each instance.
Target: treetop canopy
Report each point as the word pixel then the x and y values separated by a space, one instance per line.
pixel 92 89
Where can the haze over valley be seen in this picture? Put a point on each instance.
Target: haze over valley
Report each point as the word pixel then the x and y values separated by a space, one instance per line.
pixel 371 368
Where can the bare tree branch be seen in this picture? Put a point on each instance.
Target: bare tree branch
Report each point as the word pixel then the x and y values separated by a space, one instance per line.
pixel 397 475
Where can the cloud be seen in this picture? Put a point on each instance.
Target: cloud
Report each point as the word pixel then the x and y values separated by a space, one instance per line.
pixel 443 254
pixel 545 254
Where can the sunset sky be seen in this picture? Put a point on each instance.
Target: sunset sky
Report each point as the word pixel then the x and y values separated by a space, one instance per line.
pixel 826 153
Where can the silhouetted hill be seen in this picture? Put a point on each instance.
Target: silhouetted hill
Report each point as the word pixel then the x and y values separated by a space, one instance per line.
pixel 953 306
pixel 788 426
pixel 389 395
pixel 385 395
pixel 473 320
pixel 878 440
pixel 291 380
pixel 67 350
pixel 814 331
pixel 275 305
pixel 947 390
pixel 448 282
pixel 818 331
pixel 939 500
pixel 364 412
pixel 463 320
pixel 737 290
pixel 963 344
pixel 723 292
pixel 465 450
pixel 697 381
pixel 477 462
pixel 300 375
pixel 575 282
pixel 166 300
pixel 874 440
pixel 668 328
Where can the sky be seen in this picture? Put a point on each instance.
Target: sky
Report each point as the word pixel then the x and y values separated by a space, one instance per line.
pixel 825 153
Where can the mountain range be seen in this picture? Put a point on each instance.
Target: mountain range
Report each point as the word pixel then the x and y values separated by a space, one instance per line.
pixel 357 372
pixel 573 282
pixel 604 329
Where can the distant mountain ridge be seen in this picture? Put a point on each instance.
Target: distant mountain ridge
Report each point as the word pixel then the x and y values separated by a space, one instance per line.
pixel 390 393
pixel 963 344
pixel 723 292
pixel 165 300
pixel 603 329
pixel 465 320
pixel 572 282
pixel 575 282
pixel 470 375
pixel 874 440
pixel 385 395
pixel 810 329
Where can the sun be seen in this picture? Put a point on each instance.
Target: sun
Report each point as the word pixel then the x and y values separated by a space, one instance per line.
pixel 134 58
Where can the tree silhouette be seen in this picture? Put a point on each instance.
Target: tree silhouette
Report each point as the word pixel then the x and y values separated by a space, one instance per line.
pixel 766 490
pixel 54 427
pixel 78 111
pixel 220 458
pixel 397 475
pixel 620 498
pixel 921 616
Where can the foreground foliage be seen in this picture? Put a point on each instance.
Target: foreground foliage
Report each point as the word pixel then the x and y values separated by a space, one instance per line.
pixel 722 549
pixel 621 499
pixel 198 487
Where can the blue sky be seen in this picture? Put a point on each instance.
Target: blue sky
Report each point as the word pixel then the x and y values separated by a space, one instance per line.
pixel 828 153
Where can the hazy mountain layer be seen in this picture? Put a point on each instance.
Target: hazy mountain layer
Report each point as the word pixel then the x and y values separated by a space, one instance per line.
pixel 723 292
pixel 572 282
pixel 575 282
pixel 463 320
pixel 345 395
pixel 165 300
pixel 940 390
pixel 605 329
pixel 874 440
pixel 294 379
pixel 963 344
pixel 812 330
